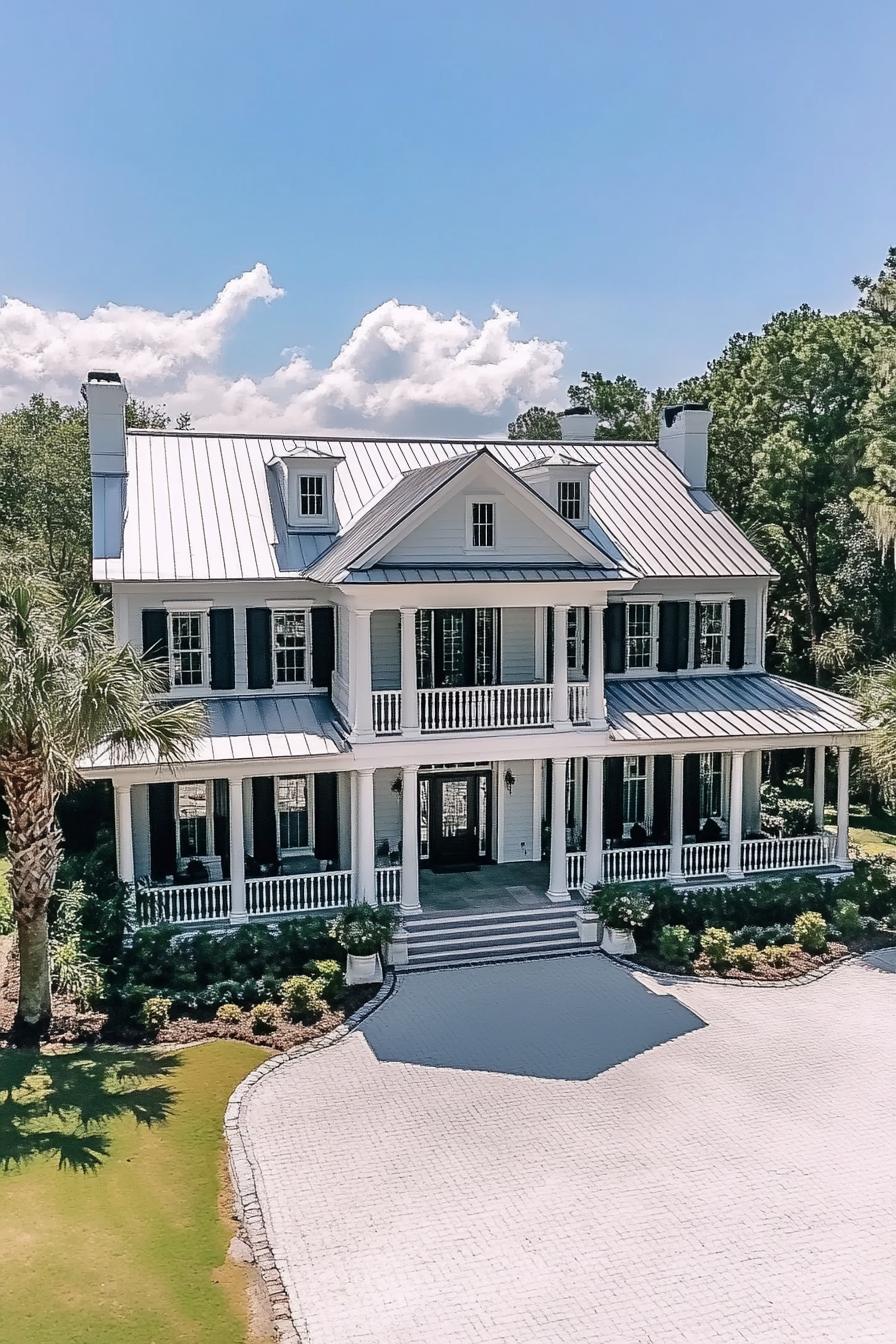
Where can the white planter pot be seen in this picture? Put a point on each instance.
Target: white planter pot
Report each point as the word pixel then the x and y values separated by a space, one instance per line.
pixel 618 942
pixel 363 970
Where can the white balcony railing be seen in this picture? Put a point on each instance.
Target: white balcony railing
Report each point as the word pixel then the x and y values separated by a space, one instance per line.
pixel 193 903
pixel 388 886
pixel 298 893
pixel 575 870
pixel 643 863
pixel 578 701
pixel 386 712
pixel 453 707
pixel 794 851
pixel 705 860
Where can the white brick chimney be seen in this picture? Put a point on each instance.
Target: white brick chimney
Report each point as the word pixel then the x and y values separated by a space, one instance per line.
pixel 684 438
pixel 106 397
pixel 577 425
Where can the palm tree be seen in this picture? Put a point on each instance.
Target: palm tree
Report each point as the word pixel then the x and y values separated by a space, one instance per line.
pixel 875 690
pixel 65 688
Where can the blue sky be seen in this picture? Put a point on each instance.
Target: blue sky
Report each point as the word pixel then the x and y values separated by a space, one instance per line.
pixel 636 180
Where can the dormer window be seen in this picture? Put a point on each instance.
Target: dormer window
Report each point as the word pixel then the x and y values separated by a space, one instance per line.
pixel 481 525
pixel 569 500
pixel 312 495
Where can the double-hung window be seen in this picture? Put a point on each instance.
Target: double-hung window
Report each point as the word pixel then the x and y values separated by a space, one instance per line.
pixel 639 639
pixel 712 633
pixel 712 783
pixel 188 648
pixel 192 819
pixel 311 496
pixel 293 813
pixel 634 791
pixel 482 525
pixel 292 653
pixel 569 500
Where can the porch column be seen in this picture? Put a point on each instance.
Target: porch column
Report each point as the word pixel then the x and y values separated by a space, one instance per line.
pixel 353 822
pixel 736 815
pixel 360 674
pixel 558 889
pixel 238 913
pixel 841 854
pixel 124 848
pixel 676 820
pixel 818 788
pixel 410 719
pixel 594 838
pixel 597 706
pixel 561 675
pixel 410 864
pixel 365 887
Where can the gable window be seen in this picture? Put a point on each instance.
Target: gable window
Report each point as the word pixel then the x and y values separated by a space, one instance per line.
pixel 634 791
pixel 712 633
pixel 291 651
pixel 575 640
pixel 639 619
pixel 311 496
pixel 712 785
pixel 189 648
pixel 192 819
pixel 293 814
pixel 482 524
pixel 569 500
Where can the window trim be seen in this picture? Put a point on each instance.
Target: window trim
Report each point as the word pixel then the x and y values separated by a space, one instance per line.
pixel 190 609
pixel 647 823
pixel 570 483
pixel 288 608
pixel 184 859
pixel 703 603
pixel 324 500
pixel 653 637
pixel 723 816
pixel 472 500
pixel 303 851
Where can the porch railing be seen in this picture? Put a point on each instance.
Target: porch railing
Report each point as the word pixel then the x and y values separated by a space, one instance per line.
pixel 705 860
pixel 388 886
pixel 386 712
pixel 575 870
pixel 298 892
pixel 452 707
pixel 195 903
pixel 781 853
pixel 644 863
pixel 578 701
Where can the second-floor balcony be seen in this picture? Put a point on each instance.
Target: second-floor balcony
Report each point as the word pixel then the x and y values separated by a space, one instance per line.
pixel 448 709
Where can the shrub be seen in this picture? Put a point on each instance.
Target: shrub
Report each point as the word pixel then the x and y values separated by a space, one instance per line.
pixel 811 931
pixel 301 998
pixel 776 956
pixel 155 1014
pixel 329 976
pixel 717 947
pixel 265 1018
pixel 363 929
pixel 103 915
pixel 229 1012
pixel 745 957
pixel 847 919
pixel 621 907
pixel 74 973
pixel 675 944
pixel 750 933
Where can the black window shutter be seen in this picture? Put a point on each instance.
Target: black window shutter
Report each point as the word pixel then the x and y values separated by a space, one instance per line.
pixel 737 616
pixel 614 637
pixel 221 824
pixel 586 641
pixel 162 843
pixel 662 798
pixel 698 617
pixel 549 647
pixel 323 647
pixel 258 649
pixel 691 791
pixel 220 623
pixel 613 797
pixel 326 830
pixel 669 619
pixel 684 620
pixel 264 822
pixel 469 638
pixel 155 634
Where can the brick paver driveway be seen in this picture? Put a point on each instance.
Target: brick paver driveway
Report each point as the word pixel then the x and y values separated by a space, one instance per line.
pixel 550 1152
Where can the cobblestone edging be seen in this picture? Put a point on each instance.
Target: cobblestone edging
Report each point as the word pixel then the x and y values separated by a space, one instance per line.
pixel 247 1204
pixel 746 982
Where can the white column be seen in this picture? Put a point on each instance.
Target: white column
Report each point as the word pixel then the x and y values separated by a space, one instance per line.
pixel 410 719
pixel 736 814
pixel 842 851
pixel 561 675
pixel 360 674
pixel 594 837
pixel 597 705
pixel 365 889
pixel 124 848
pixel 410 864
pixel 558 889
pixel 818 788
pixel 676 819
pixel 353 803
pixel 238 913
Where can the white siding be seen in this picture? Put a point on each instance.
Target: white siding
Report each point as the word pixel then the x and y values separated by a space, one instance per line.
pixel 342 628
pixel 385 650
pixel 515 830
pixel 518 644
pixel 140 827
pixel 443 538
pixel 386 808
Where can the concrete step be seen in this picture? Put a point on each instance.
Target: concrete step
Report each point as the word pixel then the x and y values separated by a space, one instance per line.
pixel 414 923
pixel 459 939
pixel 490 942
pixel 512 928
pixel 525 952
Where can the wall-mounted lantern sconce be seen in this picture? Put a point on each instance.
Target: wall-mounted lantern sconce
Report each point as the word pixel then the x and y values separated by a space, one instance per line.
pixel 509 780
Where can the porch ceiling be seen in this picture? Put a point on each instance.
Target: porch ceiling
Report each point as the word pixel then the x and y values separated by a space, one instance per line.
pixel 749 705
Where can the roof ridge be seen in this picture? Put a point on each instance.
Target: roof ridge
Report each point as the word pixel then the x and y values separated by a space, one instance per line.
pixel 387 438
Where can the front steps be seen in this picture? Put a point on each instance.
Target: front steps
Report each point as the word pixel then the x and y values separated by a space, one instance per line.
pixel 506 935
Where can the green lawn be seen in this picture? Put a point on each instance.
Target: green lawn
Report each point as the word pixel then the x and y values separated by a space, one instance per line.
pixel 112 1220
pixel 874 833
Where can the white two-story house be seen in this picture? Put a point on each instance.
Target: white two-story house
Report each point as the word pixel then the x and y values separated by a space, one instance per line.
pixel 420 658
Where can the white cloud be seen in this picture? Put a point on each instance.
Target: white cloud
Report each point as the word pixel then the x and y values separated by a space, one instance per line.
pixel 402 369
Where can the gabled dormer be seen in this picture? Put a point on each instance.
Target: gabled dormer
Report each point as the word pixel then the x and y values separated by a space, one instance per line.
pixel 308 482
pixel 564 483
